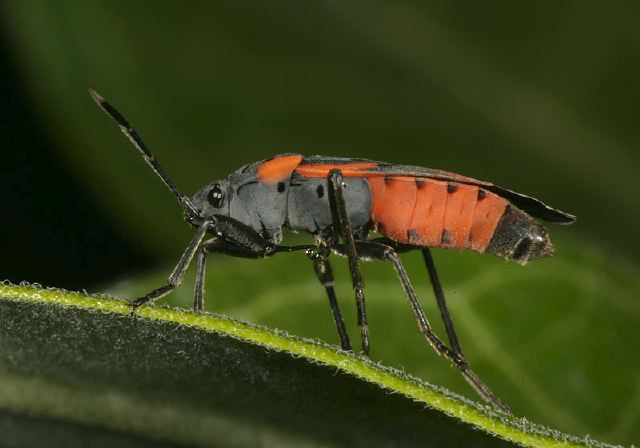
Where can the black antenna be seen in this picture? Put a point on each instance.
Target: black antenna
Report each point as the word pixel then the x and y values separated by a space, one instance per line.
pixel 135 138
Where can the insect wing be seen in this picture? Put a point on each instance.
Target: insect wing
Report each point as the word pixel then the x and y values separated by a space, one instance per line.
pixel 319 166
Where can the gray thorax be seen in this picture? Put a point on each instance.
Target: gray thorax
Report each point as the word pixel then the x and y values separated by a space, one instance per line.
pixel 297 203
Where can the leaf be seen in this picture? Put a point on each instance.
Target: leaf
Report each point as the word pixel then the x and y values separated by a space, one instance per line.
pixel 552 339
pixel 69 360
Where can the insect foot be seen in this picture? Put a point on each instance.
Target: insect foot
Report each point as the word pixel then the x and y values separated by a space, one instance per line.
pixel 153 295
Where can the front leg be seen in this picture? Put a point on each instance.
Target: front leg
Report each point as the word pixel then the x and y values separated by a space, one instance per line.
pixel 176 277
pixel 232 233
pixel 219 246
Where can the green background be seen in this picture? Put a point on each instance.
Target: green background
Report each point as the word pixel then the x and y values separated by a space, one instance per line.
pixel 539 97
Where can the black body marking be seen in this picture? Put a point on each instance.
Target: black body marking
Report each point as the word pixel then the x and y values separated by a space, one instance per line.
pixel 522 249
pixel 413 235
pixel 519 237
pixel 281 187
pixel 320 191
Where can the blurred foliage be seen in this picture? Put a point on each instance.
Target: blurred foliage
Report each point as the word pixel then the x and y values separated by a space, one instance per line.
pixel 539 97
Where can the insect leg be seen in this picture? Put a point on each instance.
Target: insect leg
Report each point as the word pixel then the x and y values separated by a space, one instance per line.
pixel 442 304
pixel 320 257
pixel 198 290
pixel 373 250
pixel 176 277
pixel 215 245
pixel 342 223
pixel 323 271
pixel 437 288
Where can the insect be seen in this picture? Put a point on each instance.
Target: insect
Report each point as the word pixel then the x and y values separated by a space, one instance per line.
pixel 339 201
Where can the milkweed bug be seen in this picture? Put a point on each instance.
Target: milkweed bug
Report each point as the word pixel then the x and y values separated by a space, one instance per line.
pixel 339 201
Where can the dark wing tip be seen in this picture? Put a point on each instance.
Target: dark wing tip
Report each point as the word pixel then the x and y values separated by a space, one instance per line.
pixel 533 206
pixel 559 217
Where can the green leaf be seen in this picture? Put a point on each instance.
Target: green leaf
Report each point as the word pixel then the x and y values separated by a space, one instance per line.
pixel 553 339
pixel 69 360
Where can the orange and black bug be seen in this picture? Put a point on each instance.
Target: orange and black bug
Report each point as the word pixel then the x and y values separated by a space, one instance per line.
pixel 341 200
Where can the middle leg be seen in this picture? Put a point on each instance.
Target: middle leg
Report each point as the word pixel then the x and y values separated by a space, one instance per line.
pixel 220 246
pixel 342 224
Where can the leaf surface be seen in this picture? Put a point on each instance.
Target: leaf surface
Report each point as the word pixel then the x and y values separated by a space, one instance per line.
pixel 77 361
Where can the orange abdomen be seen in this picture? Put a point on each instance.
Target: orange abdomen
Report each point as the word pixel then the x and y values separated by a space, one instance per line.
pixel 428 212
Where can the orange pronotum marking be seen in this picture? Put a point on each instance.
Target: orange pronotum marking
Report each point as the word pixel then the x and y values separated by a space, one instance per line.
pixel 278 169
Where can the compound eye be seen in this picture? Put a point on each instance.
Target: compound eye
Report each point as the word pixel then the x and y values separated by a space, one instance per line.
pixel 215 196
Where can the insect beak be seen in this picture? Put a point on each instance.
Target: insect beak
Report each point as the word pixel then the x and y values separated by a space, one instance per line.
pixel 193 219
pixel 199 221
